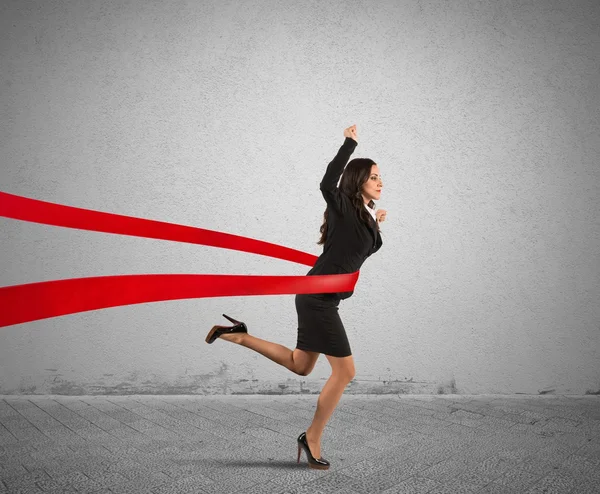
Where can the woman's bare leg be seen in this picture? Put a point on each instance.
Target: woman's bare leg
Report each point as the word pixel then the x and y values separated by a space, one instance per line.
pixel 298 361
pixel 342 372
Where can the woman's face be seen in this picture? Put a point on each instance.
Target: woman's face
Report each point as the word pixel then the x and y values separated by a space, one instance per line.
pixel 372 187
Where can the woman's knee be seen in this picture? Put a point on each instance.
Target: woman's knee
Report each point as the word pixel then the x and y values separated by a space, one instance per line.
pixel 348 374
pixel 305 369
pixel 304 362
pixel 342 367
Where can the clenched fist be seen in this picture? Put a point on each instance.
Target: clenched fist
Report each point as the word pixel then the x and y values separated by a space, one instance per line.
pixel 380 215
pixel 351 132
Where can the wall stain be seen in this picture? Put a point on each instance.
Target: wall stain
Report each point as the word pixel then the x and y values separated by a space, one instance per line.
pixel 219 382
pixel 21 390
pixel 449 389
pixel 68 389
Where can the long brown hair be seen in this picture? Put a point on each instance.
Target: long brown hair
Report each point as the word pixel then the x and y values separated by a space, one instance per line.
pixel 355 175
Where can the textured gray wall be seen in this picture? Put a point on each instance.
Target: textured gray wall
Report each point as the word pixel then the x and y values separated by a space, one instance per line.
pixel 482 115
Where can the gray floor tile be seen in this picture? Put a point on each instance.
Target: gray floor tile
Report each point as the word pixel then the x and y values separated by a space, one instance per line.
pixel 518 479
pixel 554 483
pixel 493 488
pixel 217 444
pixel 414 485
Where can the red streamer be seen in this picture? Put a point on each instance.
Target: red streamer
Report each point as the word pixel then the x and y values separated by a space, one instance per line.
pixel 48 213
pixel 34 301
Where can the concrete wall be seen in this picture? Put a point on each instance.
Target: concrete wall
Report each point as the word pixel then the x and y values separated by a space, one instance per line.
pixel 482 115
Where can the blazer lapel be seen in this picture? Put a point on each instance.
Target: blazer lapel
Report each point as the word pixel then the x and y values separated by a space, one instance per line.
pixel 374 232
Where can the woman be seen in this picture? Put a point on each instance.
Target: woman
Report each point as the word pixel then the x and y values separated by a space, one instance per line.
pixel 350 234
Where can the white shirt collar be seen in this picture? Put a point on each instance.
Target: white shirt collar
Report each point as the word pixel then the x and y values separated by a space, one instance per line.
pixel 371 211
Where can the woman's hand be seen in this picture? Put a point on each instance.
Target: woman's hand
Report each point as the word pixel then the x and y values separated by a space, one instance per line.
pixel 380 215
pixel 351 132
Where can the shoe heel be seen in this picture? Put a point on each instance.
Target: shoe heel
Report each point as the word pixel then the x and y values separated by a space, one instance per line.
pixel 210 338
pixel 299 452
pixel 231 319
pixel 318 463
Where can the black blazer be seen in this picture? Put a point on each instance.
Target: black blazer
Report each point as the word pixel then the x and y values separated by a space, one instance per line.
pixel 349 240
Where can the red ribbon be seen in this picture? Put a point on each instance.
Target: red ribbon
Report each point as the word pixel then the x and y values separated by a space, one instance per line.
pixel 34 301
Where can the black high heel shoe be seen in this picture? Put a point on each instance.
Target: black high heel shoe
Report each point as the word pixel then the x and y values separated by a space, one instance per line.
pixel 217 331
pixel 319 463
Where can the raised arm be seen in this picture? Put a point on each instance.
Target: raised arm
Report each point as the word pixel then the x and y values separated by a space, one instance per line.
pixel 329 189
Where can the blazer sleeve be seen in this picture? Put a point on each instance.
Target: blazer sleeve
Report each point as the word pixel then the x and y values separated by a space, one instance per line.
pixel 332 195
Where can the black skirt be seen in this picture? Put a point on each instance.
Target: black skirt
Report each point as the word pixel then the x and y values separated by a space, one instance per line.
pixel 320 328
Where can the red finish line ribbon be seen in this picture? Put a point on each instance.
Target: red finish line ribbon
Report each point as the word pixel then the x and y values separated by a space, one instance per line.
pixel 34 301
pixel 48 213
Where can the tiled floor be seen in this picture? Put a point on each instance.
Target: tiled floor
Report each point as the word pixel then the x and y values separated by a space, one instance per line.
pixel 225 444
